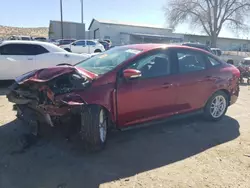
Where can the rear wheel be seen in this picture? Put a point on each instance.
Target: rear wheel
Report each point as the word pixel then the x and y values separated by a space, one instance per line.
pixel 94 127
pixel 248 81
pixel 97 50
pixel 216 106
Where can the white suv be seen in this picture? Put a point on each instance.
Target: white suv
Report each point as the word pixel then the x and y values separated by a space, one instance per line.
pixel 84 46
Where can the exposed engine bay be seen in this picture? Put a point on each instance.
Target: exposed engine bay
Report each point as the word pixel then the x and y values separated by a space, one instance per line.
pixel 41 98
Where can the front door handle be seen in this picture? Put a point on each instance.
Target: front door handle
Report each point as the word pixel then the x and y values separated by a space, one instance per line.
pixel 30 58
pixel 167 85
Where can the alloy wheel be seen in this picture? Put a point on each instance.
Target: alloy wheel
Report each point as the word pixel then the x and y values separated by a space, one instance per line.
pixel 102 125
pixel 218 106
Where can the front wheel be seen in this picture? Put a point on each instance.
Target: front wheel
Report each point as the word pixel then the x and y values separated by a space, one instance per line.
pixel 67 49
pixel 216 106
pixel 248 81
pixel 94 127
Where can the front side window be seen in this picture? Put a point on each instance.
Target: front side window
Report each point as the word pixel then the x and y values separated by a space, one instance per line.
pixel 104 62
pixel 190 61
pixel 213 61
pixel 153 65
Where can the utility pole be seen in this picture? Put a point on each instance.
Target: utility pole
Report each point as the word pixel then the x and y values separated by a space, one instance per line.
pixel 61 7
pixel 82 10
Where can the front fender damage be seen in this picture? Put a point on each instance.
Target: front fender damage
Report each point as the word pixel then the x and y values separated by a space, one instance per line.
pixel 53 102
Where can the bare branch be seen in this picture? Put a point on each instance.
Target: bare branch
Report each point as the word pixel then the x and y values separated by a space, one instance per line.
pixel 210 15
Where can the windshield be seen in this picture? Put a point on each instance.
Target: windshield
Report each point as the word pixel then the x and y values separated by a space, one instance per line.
pixel 104 62
pixel 246 62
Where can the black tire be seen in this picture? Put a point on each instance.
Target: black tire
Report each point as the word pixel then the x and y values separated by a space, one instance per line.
pixel 97 50
pixel 241 80
pixel 67 49
pixel 248 81
pixel 90 130
pixel 207 112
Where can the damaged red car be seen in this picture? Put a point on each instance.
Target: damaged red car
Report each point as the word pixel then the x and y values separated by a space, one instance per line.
pixel 126 86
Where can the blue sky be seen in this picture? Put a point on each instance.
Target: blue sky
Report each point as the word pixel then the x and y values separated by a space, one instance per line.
pixel 36 13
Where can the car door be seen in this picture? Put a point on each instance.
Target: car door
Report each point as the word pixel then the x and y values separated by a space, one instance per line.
pixel 152 95
pixel 91 45
pixel 193 82
pixel 15 59
pixel 79 47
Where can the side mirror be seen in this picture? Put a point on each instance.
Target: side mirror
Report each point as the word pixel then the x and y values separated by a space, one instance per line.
pixel 131 73
pixel 73 44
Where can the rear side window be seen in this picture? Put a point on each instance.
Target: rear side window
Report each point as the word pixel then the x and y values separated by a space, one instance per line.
pixel 90 43
pixel 190 61
pixel 22 49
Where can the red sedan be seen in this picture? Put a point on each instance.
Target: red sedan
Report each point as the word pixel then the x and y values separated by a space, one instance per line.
pixel 126 86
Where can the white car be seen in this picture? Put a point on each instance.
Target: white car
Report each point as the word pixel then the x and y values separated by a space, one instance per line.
pixel 217 51
pixel 84 46
pixel 18 57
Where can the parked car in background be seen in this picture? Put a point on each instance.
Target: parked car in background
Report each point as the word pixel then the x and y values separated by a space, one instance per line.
pixel 42 39
pixel 244 67
pixel 125 86
pixel 19 57
pixel 108 41
pixel 84 46
pixel 62 42
pixel 105 44
pixel 217 51
pixel 17 37
pixel 198 45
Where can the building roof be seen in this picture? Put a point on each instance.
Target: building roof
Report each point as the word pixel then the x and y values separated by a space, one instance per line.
pixel 126 23
pixel 66 22
pixel 174 36
pixel 200 35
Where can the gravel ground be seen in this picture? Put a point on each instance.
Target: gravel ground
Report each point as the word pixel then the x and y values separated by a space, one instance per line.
pixel 186 153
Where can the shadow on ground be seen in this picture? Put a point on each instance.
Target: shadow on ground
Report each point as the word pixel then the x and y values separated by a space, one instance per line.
pixel 58 163
pixel 4 86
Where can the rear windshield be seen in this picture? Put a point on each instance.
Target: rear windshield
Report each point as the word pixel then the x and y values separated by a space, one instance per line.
pixel 25 38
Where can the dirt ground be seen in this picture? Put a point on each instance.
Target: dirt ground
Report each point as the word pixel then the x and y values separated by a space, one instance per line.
pixel 186 153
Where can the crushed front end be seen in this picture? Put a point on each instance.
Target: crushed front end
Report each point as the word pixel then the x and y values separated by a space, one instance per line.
pixel 47 96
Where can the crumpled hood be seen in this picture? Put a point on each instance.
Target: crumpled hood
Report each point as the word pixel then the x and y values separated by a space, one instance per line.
pixel 47 74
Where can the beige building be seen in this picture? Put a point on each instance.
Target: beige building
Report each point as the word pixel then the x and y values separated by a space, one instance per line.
pixel 121 33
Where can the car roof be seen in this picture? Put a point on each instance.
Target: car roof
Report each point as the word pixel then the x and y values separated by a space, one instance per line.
pixel 49 46
pixel 148 46
pixel 22 42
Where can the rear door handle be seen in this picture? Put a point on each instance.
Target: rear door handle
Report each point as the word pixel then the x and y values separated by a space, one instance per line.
pixel 30 58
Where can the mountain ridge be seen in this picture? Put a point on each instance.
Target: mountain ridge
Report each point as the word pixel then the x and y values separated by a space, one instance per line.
pixel 6 31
